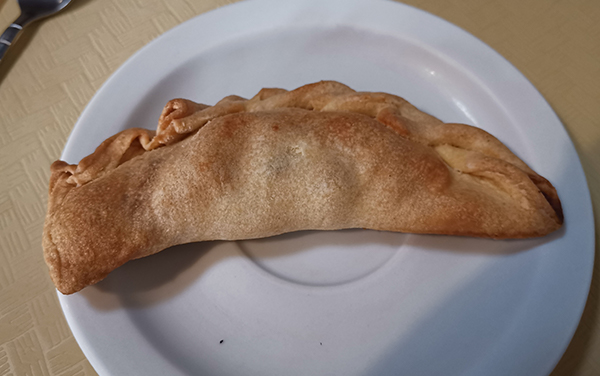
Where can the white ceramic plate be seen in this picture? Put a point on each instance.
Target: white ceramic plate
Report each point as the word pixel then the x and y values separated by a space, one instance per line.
pixel 350 302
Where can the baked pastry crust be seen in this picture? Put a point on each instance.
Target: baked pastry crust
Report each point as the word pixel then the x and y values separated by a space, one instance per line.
pixel 319 157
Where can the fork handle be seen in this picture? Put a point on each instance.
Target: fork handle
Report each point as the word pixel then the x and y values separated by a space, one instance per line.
pixel 9 36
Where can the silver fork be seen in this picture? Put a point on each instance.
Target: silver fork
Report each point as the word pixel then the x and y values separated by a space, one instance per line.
pixel 31 10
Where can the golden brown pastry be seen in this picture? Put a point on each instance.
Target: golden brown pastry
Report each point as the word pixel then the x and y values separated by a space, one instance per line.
pixel 319 157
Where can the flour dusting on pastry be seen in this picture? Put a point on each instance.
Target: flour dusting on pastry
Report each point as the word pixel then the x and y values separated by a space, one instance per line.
pixel 321 157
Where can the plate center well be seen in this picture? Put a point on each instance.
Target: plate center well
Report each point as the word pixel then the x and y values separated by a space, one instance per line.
pixel 323 258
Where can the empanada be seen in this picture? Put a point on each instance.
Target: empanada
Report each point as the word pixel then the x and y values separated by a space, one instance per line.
pixel 319 157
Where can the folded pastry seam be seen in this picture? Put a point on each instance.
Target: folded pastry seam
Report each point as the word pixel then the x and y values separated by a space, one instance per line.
pixel 322 156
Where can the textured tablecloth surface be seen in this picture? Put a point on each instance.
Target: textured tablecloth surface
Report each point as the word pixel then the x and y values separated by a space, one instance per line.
pixel 52 73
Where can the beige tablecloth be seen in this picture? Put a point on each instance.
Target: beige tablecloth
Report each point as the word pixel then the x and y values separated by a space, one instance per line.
pixel 58 64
